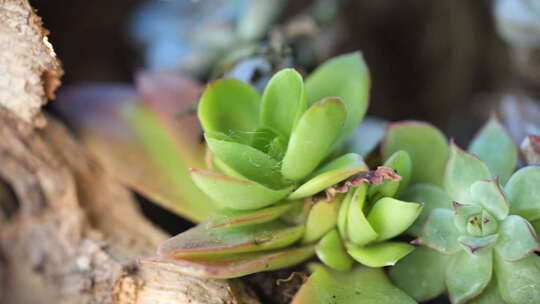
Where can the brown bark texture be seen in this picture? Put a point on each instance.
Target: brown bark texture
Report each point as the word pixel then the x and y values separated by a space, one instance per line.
pixel 69 231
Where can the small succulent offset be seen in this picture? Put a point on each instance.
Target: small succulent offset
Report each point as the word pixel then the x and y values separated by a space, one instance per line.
pixel 479 227
pixel 273 165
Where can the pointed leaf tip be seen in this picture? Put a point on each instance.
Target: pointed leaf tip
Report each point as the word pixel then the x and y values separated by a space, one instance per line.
pixel 493 137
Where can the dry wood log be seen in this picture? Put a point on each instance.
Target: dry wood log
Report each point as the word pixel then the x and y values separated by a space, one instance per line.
pixel 77 233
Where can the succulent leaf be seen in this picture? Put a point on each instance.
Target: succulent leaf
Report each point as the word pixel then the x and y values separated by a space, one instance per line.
pixel 431 197
pixel 401 162
pixel 226 218
pixel 283 102
pixel 331 252
pixel 474 244
pixel 343 214
pixel 390 217
pixel 231 107
pixel 236 193
pixel 321 219
pixel 524 194
pixel 492 138
pixel 427 267
pixel 330 174
pixel 517 239
pixel 489 195
pixel 236 265
pixel 519 282
pixel 379 254
pixel 162 166
pixel 202 241
pixel 490 295
pixel 359 231
pixel 145 146
pixel 312 137
pixel 361 285
pixel 439 232
pixel 426 146
pixel 468 275
pixel 462 170
pixel 346 77
pixel 246 160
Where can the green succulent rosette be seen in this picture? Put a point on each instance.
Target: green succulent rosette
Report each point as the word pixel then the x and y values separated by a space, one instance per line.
pixel 286 194
pixel 478 230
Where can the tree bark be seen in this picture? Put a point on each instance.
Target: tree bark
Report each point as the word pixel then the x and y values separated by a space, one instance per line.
pixel 76 233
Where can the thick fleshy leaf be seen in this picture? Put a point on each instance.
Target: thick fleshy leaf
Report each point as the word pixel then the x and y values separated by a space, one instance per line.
pixel 475 245
pixel 172 168
pixel 202 241
pixel 361 285
pixel 421 273
pixel 489 195
pixel 462 170
pixel 283 102
pixel 524 194
pixel 237 218
pixel 431 197
pixel 343 214
pixel 390 217
pixel 519 282
pixel 359 231
pixel 231 107
pixel 236 265
pixel 346 77
pixel 321 219
pixel 517 239
pixel 492 138
pixel 247 161
pixel 331 252
pixel 401 162
pixel 424 143
pixel 312 137
pixel 131 142
pixel 468 275
pixel 439 232
pixel 236 193
pixel 380 254
pixel 490 295
pixel 330 174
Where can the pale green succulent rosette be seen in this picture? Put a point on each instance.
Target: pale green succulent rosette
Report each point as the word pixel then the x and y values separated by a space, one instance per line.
pixel 285 195
pixel 477 229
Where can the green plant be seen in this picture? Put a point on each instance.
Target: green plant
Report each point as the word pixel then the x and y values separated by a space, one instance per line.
pixel 274 166
pixel 477 230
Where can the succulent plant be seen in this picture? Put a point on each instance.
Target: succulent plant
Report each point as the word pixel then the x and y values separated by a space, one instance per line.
pixel 273 165
pixel 477 230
